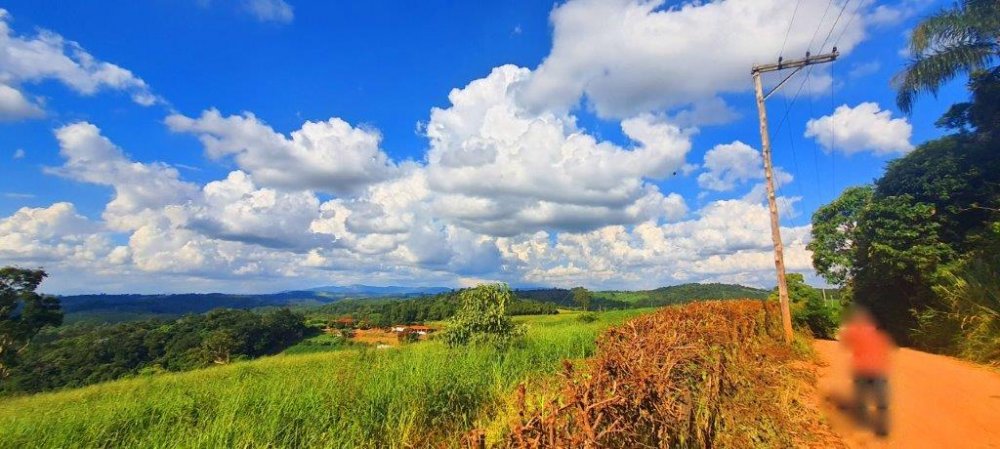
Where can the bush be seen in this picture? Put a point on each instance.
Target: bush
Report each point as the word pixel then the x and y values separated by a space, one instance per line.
pixel 587 317
pixel 685 377
pixel 482 318
pixel 965 320
pixel 408 337
pixel 810 312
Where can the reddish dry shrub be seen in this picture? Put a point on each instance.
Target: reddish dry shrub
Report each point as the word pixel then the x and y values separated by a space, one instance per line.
pixel 708 374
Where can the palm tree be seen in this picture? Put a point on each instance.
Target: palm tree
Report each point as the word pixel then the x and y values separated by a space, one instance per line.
pixel 963 39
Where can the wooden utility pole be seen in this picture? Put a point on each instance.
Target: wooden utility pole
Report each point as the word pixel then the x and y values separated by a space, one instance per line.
pixel 765 140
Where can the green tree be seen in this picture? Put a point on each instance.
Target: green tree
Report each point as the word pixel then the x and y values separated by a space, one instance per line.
pixel 899 250
pixel 963 39
pixel 834 233
pixel 219 346
pixel 981 115
pixel 581 297
pixel 482 317
pixel 809 310
pixel 23 312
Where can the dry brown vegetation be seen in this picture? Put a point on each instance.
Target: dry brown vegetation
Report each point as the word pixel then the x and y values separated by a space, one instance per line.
pixel 710 374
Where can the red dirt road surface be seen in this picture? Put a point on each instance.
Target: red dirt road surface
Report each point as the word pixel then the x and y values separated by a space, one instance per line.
pixel 935 401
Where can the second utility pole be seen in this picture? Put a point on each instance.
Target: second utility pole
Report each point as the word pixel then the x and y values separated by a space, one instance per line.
pixel 772 201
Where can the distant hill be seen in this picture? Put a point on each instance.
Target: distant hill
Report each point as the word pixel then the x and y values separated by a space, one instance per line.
pixel 120 308
pixel 675 294
pixel 370 291
pixel 689 292
pixel 103 308
pixel 683 293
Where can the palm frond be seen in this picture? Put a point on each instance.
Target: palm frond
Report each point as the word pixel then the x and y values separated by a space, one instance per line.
pixel 945 26
pixel 926 73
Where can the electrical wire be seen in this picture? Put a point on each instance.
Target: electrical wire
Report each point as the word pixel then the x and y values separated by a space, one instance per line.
pixel 819 25
pixel 849 22
pixel 834 26
pixel 789 29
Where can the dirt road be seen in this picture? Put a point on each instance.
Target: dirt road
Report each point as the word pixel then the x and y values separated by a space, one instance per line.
pixel 936 401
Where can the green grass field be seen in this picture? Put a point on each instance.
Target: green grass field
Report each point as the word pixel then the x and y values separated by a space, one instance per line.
pixel 412 396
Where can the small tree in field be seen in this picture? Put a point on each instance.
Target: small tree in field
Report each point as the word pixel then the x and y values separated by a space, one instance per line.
pixel 482 317
pixel 22 312
pixel 581 297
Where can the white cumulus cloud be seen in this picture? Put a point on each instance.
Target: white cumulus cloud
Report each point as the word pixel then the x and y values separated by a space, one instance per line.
pixel 330 156
pixel 728 165
pixel 57 234
pixel 631 56
pixel 141 190
pixel 14 105
pixel 865 127
pixel 505 170
pixel 48 56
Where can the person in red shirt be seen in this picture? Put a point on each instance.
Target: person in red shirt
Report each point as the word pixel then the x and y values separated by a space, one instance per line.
pixel 870 348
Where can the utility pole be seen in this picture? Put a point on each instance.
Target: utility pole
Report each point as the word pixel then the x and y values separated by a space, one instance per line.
pixel 765 140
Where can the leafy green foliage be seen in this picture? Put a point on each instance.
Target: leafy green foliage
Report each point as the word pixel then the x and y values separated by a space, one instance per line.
pixel 22 313
pixel 982 114
pixel 809 309
pixel 918 238
pixel 898 253
pixel 834 231
pixel 962 39
pixel 80 355
pixel 482 318
pixel 581 297
pixel 965 320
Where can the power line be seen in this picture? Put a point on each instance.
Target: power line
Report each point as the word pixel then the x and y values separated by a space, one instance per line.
pixel 834 26
pixel 819 187
pixel 789 30
pixel 849 22
pixel 795 159
pixel 819 25
pixel 833 138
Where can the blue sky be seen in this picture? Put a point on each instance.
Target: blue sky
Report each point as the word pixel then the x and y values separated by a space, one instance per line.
pixel 623 153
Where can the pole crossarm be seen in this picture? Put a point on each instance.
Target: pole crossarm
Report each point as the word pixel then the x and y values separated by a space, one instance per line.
pixel 796 63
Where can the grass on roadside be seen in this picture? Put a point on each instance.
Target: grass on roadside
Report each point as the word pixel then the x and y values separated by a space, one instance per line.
pixel 414 395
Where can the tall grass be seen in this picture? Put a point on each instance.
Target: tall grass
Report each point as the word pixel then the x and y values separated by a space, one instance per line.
pixel 412 396
pixel 707 374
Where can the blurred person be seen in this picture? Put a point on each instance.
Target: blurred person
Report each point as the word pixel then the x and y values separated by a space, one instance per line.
pixel 870 348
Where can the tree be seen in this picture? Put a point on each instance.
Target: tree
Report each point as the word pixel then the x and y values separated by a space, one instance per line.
pixel 809 310
pixel 22 312
pixel 963 39
pixel 581 297
pixel 482 317
pixel 899 251
pixel 834 232
pixel 219 346
pixel 982 114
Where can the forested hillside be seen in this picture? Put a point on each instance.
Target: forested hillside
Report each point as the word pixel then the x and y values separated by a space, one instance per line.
pixel 78 355
pixel 679 294
pixel 387 312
